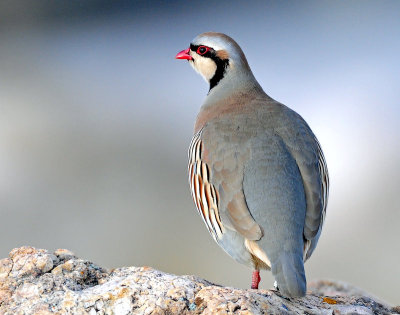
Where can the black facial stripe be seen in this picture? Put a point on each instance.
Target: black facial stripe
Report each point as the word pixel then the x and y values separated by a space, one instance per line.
pixel 208 54
pixel 220 72
pixel 222 64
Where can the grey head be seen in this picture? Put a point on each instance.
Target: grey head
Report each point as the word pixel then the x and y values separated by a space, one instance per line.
pixel 221 62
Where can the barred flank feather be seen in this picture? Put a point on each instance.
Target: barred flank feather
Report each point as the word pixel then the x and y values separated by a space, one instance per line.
pixel 323 171
pixel 204 194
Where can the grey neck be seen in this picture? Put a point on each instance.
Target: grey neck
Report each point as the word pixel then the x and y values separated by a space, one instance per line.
pixel 234 81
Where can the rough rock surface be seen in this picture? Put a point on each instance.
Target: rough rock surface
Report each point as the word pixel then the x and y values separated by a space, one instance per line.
pixel 34 281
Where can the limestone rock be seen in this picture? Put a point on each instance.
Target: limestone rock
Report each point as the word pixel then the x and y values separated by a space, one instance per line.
pixel 34 281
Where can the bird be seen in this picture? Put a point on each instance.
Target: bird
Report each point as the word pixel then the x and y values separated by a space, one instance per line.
pixel 257 173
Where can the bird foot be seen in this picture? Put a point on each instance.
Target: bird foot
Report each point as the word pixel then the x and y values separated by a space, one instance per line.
pixel 255 280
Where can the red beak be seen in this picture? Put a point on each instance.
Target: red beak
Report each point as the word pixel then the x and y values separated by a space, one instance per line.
pixel 184 54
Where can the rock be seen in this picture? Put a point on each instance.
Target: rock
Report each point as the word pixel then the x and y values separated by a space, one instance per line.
pixel 34 281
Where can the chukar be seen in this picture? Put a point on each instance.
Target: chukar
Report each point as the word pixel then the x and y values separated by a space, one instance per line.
pixel 257 173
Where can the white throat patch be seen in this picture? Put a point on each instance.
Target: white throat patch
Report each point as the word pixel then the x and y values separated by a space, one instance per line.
pixel 205 66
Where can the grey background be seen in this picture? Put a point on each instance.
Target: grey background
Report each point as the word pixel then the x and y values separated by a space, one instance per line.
pixel 96 117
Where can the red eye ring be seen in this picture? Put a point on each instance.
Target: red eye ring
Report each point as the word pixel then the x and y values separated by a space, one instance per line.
pixel 202 50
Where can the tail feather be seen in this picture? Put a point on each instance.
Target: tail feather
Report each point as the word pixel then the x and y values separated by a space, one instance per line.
pixel 289 275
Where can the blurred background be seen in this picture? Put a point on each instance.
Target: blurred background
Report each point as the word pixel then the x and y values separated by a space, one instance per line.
pixel 96 117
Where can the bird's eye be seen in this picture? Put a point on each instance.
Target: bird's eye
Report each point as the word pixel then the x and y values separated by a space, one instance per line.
pixel 202 50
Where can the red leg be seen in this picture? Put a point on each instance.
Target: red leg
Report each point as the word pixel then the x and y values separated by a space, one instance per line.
pixel 255 280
